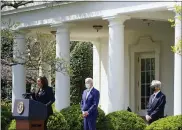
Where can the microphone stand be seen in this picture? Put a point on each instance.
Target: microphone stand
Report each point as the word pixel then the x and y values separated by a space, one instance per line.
pixel 27 95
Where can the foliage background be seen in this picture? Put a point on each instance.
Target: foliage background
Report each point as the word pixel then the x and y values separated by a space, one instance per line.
pixel 177 47
pixel 40 49
pixel 81 65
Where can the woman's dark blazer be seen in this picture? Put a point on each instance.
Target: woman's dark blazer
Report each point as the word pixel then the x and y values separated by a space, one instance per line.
pixel 46 96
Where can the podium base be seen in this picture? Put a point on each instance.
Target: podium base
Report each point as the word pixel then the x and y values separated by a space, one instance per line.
pixel 29 124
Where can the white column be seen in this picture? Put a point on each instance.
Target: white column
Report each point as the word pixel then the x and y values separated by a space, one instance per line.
pixel 18 70
pixel 116 68
pixel 177 71
pixel 104 75
pixel 62 83
pixel 97 66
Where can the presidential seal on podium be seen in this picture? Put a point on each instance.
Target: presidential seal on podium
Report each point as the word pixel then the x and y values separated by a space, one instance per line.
pixel 20 107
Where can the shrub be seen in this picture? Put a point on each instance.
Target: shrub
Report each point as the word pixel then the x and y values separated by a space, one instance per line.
pixel 100 120
pixel 81 66
pixel 5 84
pixel 3 88
pixel 12 125
pixel 123 120
pixel 57 122
pixel 168 123
pixel 53 107
pixel 74 117
pixel 6 115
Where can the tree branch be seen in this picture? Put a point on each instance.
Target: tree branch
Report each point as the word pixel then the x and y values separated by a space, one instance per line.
pixel 14 4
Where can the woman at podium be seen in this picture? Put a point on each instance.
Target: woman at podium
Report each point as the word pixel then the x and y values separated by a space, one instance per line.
pixel 44 94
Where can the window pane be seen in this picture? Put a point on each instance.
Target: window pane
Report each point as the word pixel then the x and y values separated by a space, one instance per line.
pixel 143 90
pixel 142 103
pixel 147 77
pixel 147 64
pixel 142 64
pixel 152 75
pixel 147 100
pixel 142 77
pixel 148 90
pixel 152 64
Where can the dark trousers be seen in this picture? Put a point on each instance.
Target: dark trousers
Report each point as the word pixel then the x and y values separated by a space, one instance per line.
pixel 150 121
pixel 89 123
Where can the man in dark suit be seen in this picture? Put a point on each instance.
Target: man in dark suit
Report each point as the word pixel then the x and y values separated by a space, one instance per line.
pixel 156 105
pixel 89 104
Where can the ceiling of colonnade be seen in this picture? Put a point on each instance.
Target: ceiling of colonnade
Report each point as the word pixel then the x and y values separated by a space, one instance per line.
pixel 83 30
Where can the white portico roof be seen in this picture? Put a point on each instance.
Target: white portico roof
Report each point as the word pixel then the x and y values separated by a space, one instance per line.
pixel 76 11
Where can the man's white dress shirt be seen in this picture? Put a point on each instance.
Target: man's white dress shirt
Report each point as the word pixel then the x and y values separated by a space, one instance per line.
pixel 88 92
pixel 155 94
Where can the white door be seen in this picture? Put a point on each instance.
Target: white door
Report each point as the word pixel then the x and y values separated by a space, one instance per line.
pixel 145 74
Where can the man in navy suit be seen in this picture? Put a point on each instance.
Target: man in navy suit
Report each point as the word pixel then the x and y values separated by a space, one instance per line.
pixel 89 104
pixel 156 105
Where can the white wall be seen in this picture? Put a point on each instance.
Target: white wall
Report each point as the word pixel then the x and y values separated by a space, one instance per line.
pixel 166 68
pixel 162 32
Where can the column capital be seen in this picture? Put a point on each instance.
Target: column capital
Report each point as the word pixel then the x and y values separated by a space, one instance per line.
pixel 62 27
pixel 116 19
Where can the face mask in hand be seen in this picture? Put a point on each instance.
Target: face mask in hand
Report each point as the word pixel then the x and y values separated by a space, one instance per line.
pixel 87 86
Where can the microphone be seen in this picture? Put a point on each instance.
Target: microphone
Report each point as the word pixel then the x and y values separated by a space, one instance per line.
pixel 27 95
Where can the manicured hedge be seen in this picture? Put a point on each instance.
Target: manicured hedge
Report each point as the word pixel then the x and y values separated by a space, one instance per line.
pixel 6 115
pixel 55 122
pixel 100 120
pixel 12 125
pixel 167 123
pixel 81 66
pixel 74 117
pixel 123 120
pixel 53 107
